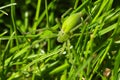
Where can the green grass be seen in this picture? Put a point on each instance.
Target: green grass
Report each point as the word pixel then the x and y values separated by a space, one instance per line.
pixel 30 51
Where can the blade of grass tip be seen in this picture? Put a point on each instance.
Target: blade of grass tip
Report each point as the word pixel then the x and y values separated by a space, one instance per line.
pixel 71 72
pixel 81 68
pixel 12 50
pixel 104 52
pixel 5 51
pixel 76 4
pixel 108 29
pixel 116 28
pixel 89 45
pixel 20 36
pixel 64 75
pixel 68 46
pixel 2 34
pixel 33 76
pixel 113 16
pixel 14 76
pixel 96 6
pixel 44 68
pixel 100 54
pixel 59 69
pixel 26 20
pixel 64 14
pixel 81 36
pixel 4 12
pixel 81 6
pixel 22 51
pixel 101 19
pixel 12 4
pixel 97 65
pixel 13 22
pixel 19 53
pixel 47 18
pixel 37 14
pixel 109 5
pixel 38 10
pixel 116 66
pixel 85 41
pixel 46 10
pixel 41 58
pixel 104 3
pixel 43 15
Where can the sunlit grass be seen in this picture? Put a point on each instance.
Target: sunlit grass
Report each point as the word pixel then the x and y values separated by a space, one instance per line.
pixel 30 50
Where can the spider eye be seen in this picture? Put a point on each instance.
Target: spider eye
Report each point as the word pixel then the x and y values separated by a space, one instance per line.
pixel 62 36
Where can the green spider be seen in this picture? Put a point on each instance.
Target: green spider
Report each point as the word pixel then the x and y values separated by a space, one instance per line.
pixel 72 21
